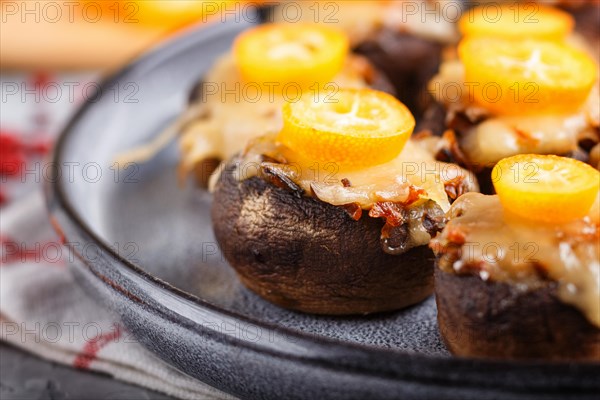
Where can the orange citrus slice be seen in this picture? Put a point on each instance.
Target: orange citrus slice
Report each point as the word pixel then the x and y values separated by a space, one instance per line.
pixel 517 21
pixel 300 54
pixel 350 127
pixel 546 188
pixel 526 77
pixel 159 14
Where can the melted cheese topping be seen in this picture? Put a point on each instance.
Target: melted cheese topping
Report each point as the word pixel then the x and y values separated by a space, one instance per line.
pixel 233 113
pixel 513 250
pixel 413 170
pixel 498 137
pixel 392 181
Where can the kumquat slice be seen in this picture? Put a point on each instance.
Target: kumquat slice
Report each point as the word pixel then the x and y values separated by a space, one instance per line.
pixel 517 21
pixel 351 127
pixel 526 77
pixel 301 54
pixel 546 188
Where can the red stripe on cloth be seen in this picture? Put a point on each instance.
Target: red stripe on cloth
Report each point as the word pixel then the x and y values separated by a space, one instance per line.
pixel 90 350
pixel 11 145
pixel 11 153
pixel 14 252
pixel 61 234
pixel 41 79
pixel 14 154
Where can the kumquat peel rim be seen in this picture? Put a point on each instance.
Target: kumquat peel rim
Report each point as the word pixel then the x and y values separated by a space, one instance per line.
pixel 352 127
pixel 546 188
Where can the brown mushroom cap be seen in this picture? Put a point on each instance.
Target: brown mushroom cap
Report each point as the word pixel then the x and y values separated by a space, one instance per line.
pixel 502 320
pixel 303 254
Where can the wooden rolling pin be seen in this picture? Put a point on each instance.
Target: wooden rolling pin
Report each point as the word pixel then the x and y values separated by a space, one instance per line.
pixel 101 34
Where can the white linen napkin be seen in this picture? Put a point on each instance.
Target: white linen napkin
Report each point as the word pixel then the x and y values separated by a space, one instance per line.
pixel 42 309
pixel 45 312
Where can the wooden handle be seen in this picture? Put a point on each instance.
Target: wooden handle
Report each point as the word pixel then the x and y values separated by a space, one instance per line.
pixel 65 44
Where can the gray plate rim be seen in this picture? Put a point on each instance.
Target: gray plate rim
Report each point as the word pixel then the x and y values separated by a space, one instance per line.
pixel 335 354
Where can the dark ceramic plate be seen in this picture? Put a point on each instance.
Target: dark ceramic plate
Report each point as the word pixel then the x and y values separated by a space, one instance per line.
pixel 149 253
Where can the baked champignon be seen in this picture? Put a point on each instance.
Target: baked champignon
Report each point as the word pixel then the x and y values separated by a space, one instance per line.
pixel 501 320
pixel 352 243
pixel 404 40
pixel 227 108
pixel 304 254
pixel 483 127
pixel 224 123
pixel 515 286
